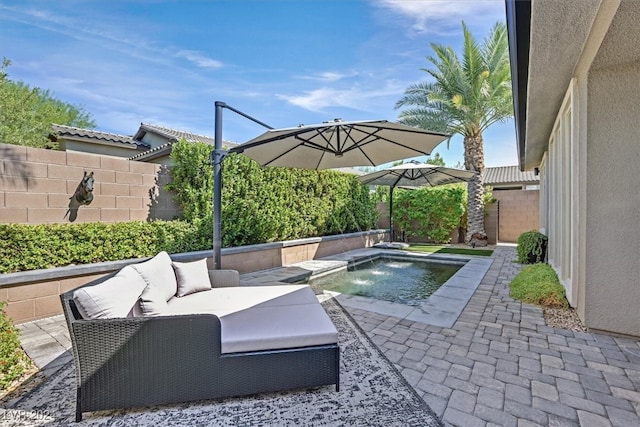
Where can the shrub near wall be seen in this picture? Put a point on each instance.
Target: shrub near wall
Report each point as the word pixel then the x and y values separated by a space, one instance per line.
pixel 430 212
pixel 264 204
pixel 31 247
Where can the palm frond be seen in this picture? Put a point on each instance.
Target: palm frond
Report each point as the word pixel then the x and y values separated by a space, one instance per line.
pixel 470 92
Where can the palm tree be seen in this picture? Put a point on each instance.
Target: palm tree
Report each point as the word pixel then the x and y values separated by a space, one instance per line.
pixel 469 94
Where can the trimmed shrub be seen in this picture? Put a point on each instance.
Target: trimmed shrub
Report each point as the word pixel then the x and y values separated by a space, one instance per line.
pixel 259 205
pixel 538 284
pixel 13 361
pixel 532 247
pixel 430 212
pixel 268 204
pixel 31 247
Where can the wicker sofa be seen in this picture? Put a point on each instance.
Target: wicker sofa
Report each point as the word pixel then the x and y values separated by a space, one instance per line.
pixel 136 344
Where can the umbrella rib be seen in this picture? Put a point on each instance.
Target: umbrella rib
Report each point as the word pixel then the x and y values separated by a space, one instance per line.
pixel 360 144
pixel 400 176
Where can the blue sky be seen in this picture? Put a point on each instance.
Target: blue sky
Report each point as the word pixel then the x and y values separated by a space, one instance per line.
pixel 283 62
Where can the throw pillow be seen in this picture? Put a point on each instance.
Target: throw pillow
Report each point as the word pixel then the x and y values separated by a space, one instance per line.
pixel 192 277
pixel 152 302
pixel 115 297
pixel 157 272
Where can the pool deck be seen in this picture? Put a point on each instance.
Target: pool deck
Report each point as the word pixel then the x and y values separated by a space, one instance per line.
pixel 475 355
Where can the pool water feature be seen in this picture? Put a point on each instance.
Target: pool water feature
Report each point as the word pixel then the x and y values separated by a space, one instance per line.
pixel 394 279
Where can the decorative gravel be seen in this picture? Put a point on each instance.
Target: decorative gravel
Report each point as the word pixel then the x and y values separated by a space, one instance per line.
pixel 565 318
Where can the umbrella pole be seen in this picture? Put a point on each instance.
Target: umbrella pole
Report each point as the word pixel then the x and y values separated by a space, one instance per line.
pixel 217 156
pixel 391 213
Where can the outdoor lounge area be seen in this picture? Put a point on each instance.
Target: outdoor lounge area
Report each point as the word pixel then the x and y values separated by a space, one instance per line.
pixel 497 364
pixel 178 297
pixel 230 340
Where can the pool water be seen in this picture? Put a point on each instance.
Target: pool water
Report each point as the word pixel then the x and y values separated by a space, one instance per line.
pixel 405 281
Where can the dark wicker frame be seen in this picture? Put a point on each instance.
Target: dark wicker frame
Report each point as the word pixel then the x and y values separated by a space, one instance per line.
pixel 137 362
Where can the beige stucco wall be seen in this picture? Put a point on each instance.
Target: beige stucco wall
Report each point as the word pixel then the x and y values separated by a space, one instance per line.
pixel 590 198
pixel 93 148
pixel 518 212
pixel 612 243
pixel 36 184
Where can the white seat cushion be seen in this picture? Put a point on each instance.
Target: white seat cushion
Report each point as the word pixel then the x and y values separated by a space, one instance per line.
pixel 222 301
pixel 277 327
pixel 158 272
pixel 115 297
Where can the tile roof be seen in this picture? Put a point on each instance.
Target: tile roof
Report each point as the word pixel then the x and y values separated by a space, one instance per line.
pixel 104 137
pixel 174 135
pixel 508 175
pixel 154 153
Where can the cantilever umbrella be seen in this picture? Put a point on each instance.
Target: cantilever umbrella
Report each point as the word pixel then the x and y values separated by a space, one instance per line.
pixel 339 144
pixel 414 175
pixel 334 144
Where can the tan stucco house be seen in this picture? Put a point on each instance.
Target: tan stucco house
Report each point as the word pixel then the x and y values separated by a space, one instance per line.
pixel 576 79
pixel 150 143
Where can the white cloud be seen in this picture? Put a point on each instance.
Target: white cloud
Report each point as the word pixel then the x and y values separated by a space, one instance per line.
pixel 356 97
pixel 443 16
pixel 329 76
pixel 199 59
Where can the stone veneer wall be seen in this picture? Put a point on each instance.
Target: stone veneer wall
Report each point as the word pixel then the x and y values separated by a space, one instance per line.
pixel 35 294
pixel 36 184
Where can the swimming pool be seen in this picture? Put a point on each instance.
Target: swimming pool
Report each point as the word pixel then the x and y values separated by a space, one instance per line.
pixel 394 279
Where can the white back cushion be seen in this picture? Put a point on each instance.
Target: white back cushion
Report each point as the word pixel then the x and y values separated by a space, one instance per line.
pixel 158 273
pixel 115 297
pixel 152 302
pixel 191 277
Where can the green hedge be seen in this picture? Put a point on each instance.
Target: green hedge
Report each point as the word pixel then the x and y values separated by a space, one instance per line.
pixel 264 204
pixel 430 212
pixel 31 247
pixel 272 204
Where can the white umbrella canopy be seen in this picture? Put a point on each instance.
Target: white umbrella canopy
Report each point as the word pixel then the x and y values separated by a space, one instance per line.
pixel 414 175
pixel 339 144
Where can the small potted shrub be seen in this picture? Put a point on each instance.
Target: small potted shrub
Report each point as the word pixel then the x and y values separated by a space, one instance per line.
pixel 532 247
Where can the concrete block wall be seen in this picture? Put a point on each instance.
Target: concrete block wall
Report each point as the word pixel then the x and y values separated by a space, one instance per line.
pixel 519 212
pixel 36 184
pixel 31 301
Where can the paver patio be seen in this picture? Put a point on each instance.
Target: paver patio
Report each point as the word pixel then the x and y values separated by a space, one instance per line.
pixel 498 365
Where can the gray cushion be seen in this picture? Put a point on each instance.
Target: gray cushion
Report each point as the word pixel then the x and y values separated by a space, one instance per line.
pixel 115 297
pixel 270 328
pixel 191 277
pixel 157 272
pixel 152 302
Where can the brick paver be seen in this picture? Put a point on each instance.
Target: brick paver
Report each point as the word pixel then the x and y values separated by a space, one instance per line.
pixel 501 365
pixel 498 365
